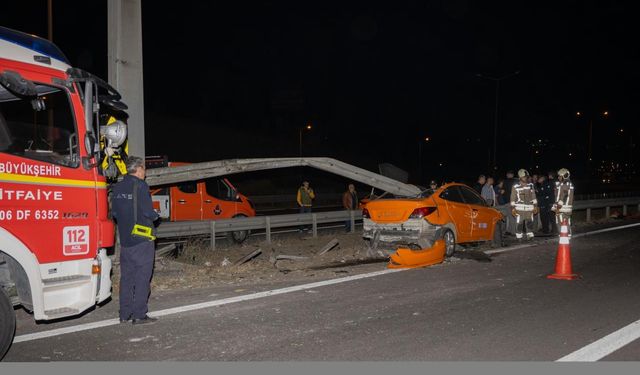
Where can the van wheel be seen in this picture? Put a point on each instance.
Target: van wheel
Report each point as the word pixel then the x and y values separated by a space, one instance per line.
pixel 449 243
pixel 7 323
pixel 239 236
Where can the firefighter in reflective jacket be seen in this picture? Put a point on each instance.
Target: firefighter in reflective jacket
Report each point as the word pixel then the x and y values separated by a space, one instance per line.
pixel 523 205
pixel 563 205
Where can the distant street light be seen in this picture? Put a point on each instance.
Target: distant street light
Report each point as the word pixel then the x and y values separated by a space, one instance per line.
pixel 306 127
pixel 495 116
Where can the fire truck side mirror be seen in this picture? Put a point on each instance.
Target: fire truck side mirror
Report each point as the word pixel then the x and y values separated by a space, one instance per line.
pixel 90 145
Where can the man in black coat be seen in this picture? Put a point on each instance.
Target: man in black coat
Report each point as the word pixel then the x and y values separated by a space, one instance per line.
pixel 544 192
pixel 132 206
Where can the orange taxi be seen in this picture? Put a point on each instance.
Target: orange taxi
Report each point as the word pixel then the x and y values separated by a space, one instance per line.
pixel 453 212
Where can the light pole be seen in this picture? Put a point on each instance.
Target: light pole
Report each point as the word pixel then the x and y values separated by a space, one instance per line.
pixel 424 140
pixel 495 116
pixel 604 114
pixel 306 127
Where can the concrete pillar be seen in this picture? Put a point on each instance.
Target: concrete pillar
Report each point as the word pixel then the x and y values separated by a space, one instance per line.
pixel 607 212
pixel 124 30
pixel 588 215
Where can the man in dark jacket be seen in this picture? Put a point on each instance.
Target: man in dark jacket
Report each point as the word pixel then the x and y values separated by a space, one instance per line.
pixel 132 207
pixel 510 226
pixel 482 179
pixel 544 192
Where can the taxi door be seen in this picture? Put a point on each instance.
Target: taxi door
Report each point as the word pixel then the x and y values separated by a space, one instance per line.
pixel 481 218
pixel 459 212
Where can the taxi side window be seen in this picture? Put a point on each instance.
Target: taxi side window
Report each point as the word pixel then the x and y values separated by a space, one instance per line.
pixel 452 194
pixel 471 197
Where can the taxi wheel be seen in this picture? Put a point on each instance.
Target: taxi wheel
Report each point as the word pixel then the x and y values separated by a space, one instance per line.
pixel 449 243
pixel 497 240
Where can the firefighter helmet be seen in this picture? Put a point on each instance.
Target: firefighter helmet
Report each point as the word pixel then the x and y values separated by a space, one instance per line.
pixel 522 173
pixel 564 173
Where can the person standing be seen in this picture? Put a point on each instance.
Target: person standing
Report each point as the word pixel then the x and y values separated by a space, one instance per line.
pixel 350 203
pixel 433 186
pixel 479 184
pixel 134 215
pixel 305 199
pixel 500 196
pixel 544 193
pixel 523 205
pixel 488 193
pixel 551 179
pixel 510 225
pixel 563 205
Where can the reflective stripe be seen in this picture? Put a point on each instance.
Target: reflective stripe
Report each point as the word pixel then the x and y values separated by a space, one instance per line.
pixel 564 229
pixel 566 209
pixel 524 207
pixel 569 193
pixel 564 240
pixel 37 180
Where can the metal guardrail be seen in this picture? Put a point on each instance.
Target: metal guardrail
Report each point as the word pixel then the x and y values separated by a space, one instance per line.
pixel 268 223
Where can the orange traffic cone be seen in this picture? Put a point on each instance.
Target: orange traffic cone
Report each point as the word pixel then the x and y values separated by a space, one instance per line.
pixel 563 258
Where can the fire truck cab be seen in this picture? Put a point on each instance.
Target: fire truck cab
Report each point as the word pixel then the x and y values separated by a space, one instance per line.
pixel 55 226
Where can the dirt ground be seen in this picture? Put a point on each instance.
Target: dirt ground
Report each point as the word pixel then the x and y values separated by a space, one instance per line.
pixel 196 266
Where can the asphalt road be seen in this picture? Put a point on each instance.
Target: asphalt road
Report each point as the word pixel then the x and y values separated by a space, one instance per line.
pixel 503 310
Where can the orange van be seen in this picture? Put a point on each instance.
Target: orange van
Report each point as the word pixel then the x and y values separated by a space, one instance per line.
pixel 210 199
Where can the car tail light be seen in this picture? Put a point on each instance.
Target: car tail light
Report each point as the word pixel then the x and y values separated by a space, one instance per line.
pixel 421 212
pixel 365 213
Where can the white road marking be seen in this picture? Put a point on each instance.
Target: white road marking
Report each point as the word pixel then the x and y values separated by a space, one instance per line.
pixel 605 230
pixel 606 345
pixel 554 239
pixel 198 306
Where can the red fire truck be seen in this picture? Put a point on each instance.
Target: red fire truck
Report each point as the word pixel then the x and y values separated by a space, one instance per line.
pixel 54 216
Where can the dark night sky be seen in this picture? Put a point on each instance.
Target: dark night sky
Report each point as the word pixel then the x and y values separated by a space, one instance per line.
pixel 238 80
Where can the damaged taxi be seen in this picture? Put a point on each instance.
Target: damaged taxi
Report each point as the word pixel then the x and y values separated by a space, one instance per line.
pixel 453 212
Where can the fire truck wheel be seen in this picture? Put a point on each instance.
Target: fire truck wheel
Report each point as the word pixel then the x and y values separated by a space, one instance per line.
pixel 239 236
pixel 7 323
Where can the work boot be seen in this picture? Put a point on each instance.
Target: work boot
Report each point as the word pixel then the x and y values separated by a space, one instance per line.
pixel 147 319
